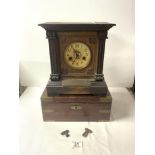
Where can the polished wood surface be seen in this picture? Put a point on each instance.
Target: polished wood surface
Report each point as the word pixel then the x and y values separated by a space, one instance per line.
pixel 76 107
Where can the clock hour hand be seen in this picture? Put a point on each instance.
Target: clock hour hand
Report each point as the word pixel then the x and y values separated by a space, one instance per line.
pixel 76 56
pixel 73 61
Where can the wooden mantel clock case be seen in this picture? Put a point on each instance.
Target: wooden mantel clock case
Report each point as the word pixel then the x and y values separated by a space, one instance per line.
pixel 77 57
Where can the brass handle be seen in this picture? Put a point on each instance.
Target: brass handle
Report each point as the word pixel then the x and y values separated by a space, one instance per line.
pixel 76 107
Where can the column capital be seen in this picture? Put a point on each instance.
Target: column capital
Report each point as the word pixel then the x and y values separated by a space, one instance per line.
pixel 102 35
pixel 51 35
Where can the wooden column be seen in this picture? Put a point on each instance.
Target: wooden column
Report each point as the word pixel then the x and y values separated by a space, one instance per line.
pixel 54 55
pixel 102 37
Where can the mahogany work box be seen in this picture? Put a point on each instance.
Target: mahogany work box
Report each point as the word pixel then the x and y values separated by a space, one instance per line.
pixel 76 107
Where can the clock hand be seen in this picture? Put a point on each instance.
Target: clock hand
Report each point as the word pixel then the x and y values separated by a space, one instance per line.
pixel 77 55
pixel 73 61
pixel 74 50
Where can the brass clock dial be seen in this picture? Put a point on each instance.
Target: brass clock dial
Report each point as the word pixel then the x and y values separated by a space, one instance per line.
pixel 77 55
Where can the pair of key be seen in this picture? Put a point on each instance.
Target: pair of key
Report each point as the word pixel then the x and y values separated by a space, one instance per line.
pixel 85 134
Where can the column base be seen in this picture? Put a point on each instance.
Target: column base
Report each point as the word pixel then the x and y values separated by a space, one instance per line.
pixel 55 77
pixel 99 77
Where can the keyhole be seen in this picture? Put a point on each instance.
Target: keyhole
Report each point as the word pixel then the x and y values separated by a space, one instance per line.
pixel 70 58
pixel 84 58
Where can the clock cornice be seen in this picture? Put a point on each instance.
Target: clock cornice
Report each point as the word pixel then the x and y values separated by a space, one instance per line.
pixel 60 26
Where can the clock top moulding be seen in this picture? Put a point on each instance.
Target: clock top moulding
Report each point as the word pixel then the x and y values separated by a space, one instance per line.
pixel 60 26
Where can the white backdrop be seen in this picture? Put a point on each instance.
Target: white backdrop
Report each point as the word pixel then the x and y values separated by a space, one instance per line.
pixel 119 52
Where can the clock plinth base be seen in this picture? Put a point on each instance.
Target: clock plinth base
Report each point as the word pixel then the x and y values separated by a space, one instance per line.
pixel 77 86
pixel 76 107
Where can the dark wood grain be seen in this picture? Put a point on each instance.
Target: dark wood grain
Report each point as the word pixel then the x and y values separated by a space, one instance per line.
pixel 76 107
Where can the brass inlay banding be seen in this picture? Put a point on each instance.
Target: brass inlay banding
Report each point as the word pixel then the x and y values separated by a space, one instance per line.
pixel 49 110
pixel 104 111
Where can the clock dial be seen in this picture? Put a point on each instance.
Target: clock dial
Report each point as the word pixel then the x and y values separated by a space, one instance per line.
pixel 77 55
